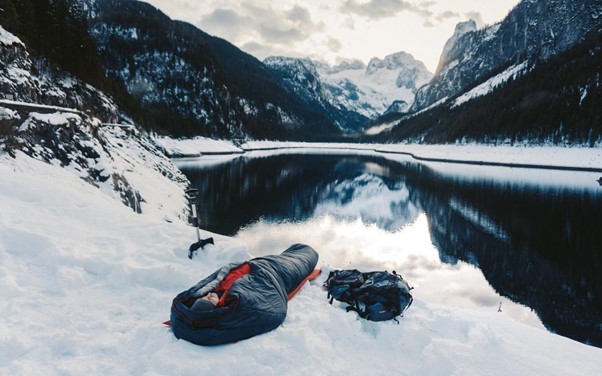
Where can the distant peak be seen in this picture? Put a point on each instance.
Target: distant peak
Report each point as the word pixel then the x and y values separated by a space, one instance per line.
pixel 291 63
pixel 462 28
pixel 465 27
pixel 393 61
pixel 349 65
pixel 279 60
pixel 345 65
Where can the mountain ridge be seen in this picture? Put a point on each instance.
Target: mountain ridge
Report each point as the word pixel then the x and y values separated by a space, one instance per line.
pixel 367 90
pixel 193 83
pixel 533 29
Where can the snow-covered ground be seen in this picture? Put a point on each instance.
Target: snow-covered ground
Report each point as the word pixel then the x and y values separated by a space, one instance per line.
pixel 536 156
pixel 192 147
pixel 86 284
pixel 489 85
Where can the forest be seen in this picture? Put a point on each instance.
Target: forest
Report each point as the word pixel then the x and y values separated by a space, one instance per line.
pixel 559 101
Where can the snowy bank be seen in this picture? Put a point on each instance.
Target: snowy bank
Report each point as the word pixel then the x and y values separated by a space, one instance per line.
pixel 193 147
pixel 577 158
pixel 86 283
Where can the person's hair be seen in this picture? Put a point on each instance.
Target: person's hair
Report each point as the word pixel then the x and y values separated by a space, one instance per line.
pixel 202 305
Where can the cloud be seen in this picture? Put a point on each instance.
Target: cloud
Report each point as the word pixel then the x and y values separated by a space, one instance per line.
pixel 378 9
pixel 349 23
pixel 438 18
pixel 226 22
pixel 263 24
pixel 300 15
pixel 334 45
pixel 477 17
pixel 446 15
pixel 257 49
pixel 275 34
pixel 281 26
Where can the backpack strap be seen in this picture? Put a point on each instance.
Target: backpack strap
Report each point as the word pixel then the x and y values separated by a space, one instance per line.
pixel 356 308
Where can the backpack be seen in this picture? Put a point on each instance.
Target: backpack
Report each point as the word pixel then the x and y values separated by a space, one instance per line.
pixel 375 296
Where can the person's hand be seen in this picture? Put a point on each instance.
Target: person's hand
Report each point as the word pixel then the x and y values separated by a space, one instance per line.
pixel 212 297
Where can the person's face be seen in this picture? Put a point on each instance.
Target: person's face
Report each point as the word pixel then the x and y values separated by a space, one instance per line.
pixel 212 297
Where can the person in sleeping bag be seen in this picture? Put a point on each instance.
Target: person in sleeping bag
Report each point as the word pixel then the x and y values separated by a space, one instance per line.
pixel 239 301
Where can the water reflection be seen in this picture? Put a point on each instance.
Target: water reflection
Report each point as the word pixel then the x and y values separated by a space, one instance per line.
pixel 535 243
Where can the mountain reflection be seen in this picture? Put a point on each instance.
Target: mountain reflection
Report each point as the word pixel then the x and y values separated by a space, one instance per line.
pixel 536 245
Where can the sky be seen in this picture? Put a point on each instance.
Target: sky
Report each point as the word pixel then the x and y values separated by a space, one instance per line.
pixel 336 30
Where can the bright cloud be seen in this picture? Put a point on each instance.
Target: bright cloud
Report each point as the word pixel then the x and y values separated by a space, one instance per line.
pixel 336 30
pixel 378 9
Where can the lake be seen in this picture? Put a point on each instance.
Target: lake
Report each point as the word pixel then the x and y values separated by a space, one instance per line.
pixel 525 243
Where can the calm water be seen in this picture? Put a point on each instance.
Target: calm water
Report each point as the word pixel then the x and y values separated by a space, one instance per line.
pixel 527 243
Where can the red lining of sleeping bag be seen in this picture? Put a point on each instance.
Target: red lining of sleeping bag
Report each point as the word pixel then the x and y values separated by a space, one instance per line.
pixel 226 284
pixel 223 287
pixel 313 275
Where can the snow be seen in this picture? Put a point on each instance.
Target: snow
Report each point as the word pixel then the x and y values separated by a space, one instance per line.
pixel 376 86
pixel 86 284
pixel 6 114
pixel 491 32
pixel 35 106
pixel 380 128
pixel 489 85
pixel 582 94
pixel 18 75
pixel 56 118
pixel 8 39
pixel 525 156
pixel 190 147
pixel 557 156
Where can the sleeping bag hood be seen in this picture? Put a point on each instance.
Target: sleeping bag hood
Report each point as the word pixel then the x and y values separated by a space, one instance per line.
pixel 256 302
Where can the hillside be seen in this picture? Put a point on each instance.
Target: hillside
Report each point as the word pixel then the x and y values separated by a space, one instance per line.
pixel 533 30
pixel 88 142
pixel 351 93
pixel 557 101
pixel 190 83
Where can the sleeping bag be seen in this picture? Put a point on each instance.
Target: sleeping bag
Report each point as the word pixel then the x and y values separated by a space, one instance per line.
pixel 255 303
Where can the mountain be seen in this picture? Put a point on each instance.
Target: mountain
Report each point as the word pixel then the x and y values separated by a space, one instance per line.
pixel 33 80
pixel 301 77
pixel 534 29
pixel 190 83
pixel 54 117
pixel 354 88
pixel 57 31
pixel 556 101
pixel 371 90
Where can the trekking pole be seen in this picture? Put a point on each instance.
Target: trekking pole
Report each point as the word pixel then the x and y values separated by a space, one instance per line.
pixel 191 196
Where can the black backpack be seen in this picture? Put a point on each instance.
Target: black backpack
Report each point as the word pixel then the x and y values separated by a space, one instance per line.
pixel 375 296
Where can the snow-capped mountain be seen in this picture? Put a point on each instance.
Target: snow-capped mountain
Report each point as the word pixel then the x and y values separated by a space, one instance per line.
pixel 461 29
pixel 352 86
pixel 301 77
pixel 556 101
pixel 371 90
pixel 189 82
pixel 534 29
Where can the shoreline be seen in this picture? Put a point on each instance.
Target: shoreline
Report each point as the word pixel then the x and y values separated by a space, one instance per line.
pixel 495 164
pixel 530 157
